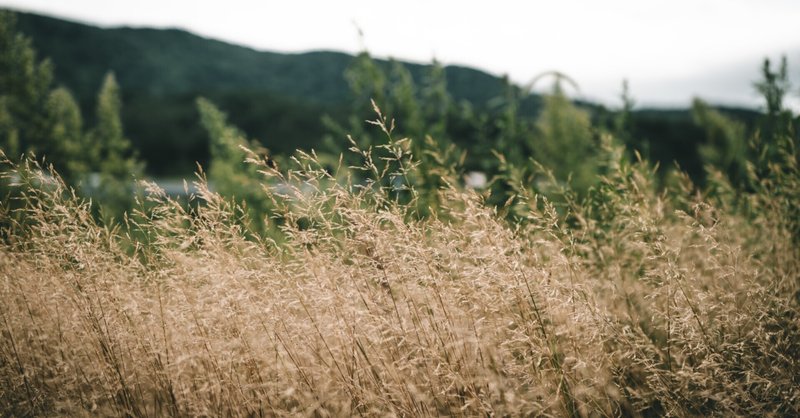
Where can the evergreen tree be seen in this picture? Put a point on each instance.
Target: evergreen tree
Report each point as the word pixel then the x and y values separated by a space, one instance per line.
pixel 24 88
pixel 623 123
pixel 34 118
pixel 367 81
pixel 116 162
pixel 73 155
pixel 436 101
pixel 565 143
pixel 773 87
pixel 401 104
pixel 726 146
pixel 511 133
pixel 230 175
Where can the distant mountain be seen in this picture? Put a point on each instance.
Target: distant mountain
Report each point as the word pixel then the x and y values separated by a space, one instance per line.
pixel 173 61
pixel 274 96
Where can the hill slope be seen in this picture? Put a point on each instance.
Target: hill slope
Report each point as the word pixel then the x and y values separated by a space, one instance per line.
pixel 172 61
pixel 278 98
pixel 274 97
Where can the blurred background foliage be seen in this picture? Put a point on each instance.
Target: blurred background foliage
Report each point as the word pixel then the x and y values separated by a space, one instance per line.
pixel 111 105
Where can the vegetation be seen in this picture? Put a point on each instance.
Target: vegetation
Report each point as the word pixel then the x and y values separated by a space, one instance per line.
pixel 633 302
pixel 161 72
pixel 39 119
pixel 282 99
pixel 369 280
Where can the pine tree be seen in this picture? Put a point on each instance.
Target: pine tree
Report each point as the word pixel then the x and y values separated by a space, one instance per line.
pixel 228 172
pixel 623 122
pixel 565 143
pixel 777 125
pixel 74 155
pixel 36 119
pixel 726 144
pixel 774 86
pixel 116 163
pixel 436 101
pixel 401 104
pixel 24 87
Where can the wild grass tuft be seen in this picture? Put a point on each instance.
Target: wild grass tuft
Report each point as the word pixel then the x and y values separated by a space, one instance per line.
pixel 367 300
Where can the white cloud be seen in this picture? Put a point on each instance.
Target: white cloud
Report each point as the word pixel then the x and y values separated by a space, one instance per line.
pixel 667 47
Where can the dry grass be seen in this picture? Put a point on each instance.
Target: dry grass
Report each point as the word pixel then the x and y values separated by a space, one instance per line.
pixel 636 303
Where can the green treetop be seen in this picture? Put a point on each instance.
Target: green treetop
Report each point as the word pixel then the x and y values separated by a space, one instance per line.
pixel 565 143
pixel 24 87
pixel 115 161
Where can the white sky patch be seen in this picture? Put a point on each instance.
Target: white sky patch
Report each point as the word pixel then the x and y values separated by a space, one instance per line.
pixel 670 50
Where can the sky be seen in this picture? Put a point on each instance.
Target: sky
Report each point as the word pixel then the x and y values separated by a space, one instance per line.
pixel 668 50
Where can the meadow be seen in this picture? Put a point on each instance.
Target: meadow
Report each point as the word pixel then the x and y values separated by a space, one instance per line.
pixel 586 278
pixel 632 301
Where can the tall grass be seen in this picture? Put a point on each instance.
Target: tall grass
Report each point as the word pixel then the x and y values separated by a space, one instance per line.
pixel 634 301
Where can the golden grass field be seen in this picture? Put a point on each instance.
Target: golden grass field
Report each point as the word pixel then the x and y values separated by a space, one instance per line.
pixel 635 301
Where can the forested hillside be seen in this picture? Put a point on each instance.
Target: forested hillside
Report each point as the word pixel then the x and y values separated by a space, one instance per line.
pixel 282 100
pixel 278 98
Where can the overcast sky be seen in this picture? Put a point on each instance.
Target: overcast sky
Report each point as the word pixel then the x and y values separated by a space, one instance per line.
pixel 669 50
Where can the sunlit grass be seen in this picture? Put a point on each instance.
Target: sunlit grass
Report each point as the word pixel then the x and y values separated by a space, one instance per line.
pixel 632 302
